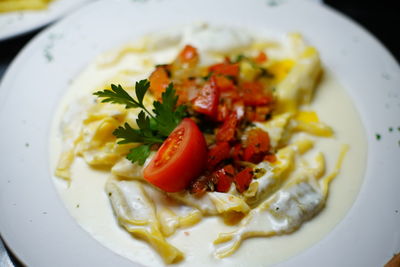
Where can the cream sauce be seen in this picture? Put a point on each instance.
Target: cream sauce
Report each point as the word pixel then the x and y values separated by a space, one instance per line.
pixel 88 203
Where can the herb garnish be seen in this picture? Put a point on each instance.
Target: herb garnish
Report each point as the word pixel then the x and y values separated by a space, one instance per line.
pixel 154 127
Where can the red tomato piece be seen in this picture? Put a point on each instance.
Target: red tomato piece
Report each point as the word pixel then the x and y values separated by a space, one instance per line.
pixel 228 129
pixel 222 112
pixel 270 158
pixel 243 179
pixel 217 153
pixel 254 95
pixel 258 113
pixel 224 178
pixel 259 139
pixel 250 114
pixel 237 152
pixel 199 187
pixel 224 83
pixel 261 58
pixel 187 91
pixel 257 145
pixel 207 99
pixel 262 112
pixel 159 80
pixel 225 69
pixel 180 159
pixel 251 154
pixel 189 55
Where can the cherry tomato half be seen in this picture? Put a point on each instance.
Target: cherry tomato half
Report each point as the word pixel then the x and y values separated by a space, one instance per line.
pixel 180 159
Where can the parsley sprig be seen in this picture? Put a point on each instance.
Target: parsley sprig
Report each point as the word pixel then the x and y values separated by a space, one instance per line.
pixel 153 127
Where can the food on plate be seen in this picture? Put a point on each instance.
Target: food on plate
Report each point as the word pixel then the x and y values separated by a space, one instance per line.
pixel 17 5
pixel 211 123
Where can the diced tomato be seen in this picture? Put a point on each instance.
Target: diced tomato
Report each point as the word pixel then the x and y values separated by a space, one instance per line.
pixel 228 129
pixel 237 152
pixel 222 112
pixel 262 112
pixel 250 114
pixel 180 159
pixel 230 96
pixel 225 69
pixel 159 80
pixel 224 178
pixel 189 55
pixel 250 154
pixel 224 83
pixel 217 153
pixel 243 179
pixel 258 113
pixel 259 139
pixel 270 158
pixel 186 91
pixel 207 99
pixel 261 58
pixel 257 145
pixel 199 186
pixel 254 95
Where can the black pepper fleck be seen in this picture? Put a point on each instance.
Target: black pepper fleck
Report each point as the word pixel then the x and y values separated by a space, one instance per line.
pixel 378 137
pixel 26 144
pixel 390 129
pixel 47 54
pixel 386 76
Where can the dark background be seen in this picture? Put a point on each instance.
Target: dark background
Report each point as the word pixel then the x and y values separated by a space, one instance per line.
pixel 381 18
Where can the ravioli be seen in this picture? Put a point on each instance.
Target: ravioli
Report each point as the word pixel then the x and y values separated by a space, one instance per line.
pixel 284 192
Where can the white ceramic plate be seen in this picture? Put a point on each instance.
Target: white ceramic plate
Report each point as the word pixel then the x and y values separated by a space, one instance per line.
pixel 33 220
pixel 15 23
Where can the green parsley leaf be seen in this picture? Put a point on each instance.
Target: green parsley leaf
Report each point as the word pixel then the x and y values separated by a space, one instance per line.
pixel 239 58
pixel 129 135
pixel 117 95
pixel 153 128
pixel 207 77
pixel 167 117
pixel 141 88
pixel 139 154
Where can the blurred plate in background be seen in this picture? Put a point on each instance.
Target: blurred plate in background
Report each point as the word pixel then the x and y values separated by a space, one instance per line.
pixel 15 23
